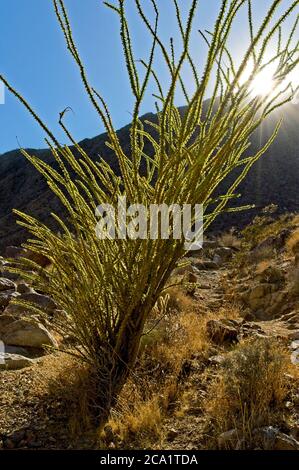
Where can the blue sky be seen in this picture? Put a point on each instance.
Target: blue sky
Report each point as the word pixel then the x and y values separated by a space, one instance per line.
pixel 34 58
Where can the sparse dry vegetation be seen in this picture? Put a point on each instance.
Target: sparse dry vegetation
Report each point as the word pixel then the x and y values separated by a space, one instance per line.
pixel 132 338
pixel 250 389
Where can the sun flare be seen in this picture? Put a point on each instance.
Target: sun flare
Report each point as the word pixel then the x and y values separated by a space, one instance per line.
pixel 263 84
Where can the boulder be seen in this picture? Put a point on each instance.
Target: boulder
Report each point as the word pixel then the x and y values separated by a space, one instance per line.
pixel 5 320
pixel 13 252
pixel 16 350
pixel 14 361
pixel 271 438
pixel 222 331
pixel 191 277
pixel 172 434
pixel 295 357
pixel 181 270
pixel 38 258
pixel 206 265
pixel 23 288
pixel 44 302
pixel 225 254
pixel 293 335
pixel 210 244
pixel 217 359
pixel 217 259
pixel 272 275
pixel 6 296
pixel 28 333
pixel 228 439
pixel 6 284
pixel 258 296
pixel 274 241
pixel 41 301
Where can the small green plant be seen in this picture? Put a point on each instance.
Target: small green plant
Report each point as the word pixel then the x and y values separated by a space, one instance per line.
pixel 109 287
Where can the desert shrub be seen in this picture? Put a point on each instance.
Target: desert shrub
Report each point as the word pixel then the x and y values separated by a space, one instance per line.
pixel 136 426
pixel 108 287
pixel 250 390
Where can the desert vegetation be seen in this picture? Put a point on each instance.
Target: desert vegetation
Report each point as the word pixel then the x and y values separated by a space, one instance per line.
pixel 116 306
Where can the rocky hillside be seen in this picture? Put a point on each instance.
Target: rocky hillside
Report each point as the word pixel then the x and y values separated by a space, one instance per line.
pixel 218 371
pixel 274 179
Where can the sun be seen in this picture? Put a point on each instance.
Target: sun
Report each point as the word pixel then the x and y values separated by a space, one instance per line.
pixel 263 84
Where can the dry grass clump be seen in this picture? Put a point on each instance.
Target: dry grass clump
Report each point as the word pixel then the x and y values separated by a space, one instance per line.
pixel 292 244
pixel 293 281
pixel 262 266
pixel 179 299
pixel 68 380
pixel 135 423
pixel 250 389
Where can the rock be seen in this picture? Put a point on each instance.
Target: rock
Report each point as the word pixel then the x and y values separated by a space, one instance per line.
pixel 272 439
pixel 192 278
pixel 6 297
pixel 28 333
pixel 23 288
pixel 194 249
pixel 218 359
pixel 275 241
pixel 14 361
pixel 225 254
pixel 5 320
pixel 6 284
pixel 228 439
pixel 42 301
pixel 259 296
pixel 221 331
pixel 210 244
pixel 206 265
pixel 251 329
pixel 271 275
pixel 295 357
pixel 217 259
pixel 8 444
pixel 16 350
pixel 38 258
pixel 16 252
pixel 295 344
pixel 13 252
pixel 293 335
pixel 172 435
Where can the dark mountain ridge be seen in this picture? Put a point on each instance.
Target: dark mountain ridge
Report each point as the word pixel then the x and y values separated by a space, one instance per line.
pixel 274 179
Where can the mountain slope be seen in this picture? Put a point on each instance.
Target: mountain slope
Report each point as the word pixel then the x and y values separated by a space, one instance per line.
pixel 274 179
